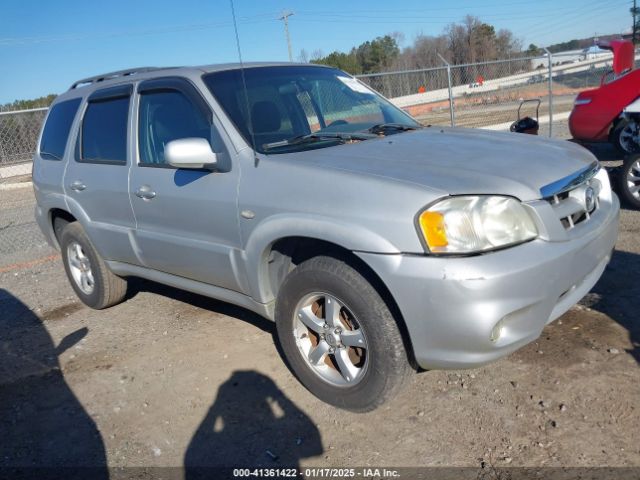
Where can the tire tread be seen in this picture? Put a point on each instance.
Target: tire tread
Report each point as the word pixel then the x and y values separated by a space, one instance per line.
pixel 111 288
pixel 398 370
pixel 621 181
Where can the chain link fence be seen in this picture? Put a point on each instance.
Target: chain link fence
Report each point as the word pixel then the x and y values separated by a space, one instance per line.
pixel 20 238
pixel 488 95
pixel 19 132
pixel 479 95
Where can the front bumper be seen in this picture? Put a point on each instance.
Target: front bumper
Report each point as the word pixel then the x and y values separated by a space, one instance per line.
pixel 451 305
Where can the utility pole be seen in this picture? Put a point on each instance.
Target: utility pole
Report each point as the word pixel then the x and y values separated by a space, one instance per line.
pixel 634 12
pixel 285 16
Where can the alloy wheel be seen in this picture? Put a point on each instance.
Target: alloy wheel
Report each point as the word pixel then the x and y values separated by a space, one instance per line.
pixel 630 137
pixel 330 339
pixel 80 267
pixel 633 180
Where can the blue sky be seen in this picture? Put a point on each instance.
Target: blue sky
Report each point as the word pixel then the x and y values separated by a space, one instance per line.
pixel 46 45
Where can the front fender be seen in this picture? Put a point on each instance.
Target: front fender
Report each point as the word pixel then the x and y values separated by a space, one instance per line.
pixel 263 236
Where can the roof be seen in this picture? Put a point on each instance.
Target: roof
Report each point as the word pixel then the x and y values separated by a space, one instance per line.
pixel 88 85
pixel 111 78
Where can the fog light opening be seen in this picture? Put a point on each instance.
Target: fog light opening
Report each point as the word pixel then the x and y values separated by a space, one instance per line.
pixel 497 331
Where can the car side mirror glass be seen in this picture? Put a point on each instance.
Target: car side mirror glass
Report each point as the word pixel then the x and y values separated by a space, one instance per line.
pixel 190 153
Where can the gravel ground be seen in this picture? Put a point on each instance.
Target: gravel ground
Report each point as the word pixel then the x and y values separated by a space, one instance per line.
pixel 170 378
pixel 492 114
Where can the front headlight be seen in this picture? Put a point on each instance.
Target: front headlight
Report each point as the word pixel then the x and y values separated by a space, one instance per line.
pixel 472 224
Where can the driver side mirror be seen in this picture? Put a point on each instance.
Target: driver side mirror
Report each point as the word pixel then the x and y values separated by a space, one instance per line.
pixel 191 153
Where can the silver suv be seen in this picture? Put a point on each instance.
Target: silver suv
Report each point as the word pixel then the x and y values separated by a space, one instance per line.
pixel 378 246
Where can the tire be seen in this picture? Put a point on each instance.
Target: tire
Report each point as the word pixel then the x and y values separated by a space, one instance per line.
pixel 628 181
pixel 373 374
pixel 95 285
pixel 621 137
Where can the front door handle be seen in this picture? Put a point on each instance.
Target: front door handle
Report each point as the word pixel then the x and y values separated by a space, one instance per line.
pixel 78 186
pixel 145 192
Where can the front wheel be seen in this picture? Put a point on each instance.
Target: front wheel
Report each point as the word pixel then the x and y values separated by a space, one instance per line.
pixel 629 181
pixel 339 336
pixel 625 136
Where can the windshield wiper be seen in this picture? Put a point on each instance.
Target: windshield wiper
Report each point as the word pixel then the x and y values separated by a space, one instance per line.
pixel 383 127
pixel 318 136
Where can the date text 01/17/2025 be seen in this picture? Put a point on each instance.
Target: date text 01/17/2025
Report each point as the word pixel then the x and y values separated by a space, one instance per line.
pixel 314 473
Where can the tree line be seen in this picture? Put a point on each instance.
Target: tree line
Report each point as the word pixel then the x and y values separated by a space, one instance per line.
pixel 468 41
pixel 39 102
pixel 575 44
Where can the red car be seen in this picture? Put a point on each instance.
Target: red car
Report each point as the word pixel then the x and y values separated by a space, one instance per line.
pixel 612 113
pixel 609 112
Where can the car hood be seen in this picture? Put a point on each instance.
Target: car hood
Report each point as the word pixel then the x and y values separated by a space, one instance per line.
pixel 458 161
pixel 623 54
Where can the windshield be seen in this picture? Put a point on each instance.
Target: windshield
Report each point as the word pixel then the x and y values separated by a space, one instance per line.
pixel 285 103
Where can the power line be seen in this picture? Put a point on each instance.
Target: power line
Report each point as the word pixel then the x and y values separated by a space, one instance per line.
pixel 371 19
pixel 458 8
pixel 387 17
pixel 415 21
pixel 598 10
pixel 129 33
pixel 309 16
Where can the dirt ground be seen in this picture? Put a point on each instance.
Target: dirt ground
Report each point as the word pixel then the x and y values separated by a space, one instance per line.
pixel 170 378
pixel 479 115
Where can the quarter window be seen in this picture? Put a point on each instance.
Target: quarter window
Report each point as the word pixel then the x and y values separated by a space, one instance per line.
pixel 165 116
pixel 56 130
pixel 104 131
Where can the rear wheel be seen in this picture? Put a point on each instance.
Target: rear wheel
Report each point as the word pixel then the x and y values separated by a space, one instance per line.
pixel 339 336
pixel 95 285
pixel 625 136
pixel 629 181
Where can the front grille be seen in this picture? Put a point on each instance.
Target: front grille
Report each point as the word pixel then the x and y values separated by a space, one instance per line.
pixel 577 205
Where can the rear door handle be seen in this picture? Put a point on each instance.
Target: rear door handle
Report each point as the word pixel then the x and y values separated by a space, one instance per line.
pixel 78 186
pixel 145 192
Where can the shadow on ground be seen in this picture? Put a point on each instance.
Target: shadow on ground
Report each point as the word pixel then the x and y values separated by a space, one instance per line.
pixel 245 423
pixel 617 295
pixel 137 285
pixel 246 426
pixel 42 423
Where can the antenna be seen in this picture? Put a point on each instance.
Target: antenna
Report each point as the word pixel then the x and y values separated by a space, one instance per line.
pixel 244 85
pixel 285 16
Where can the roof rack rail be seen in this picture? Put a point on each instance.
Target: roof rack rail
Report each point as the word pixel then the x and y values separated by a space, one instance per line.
pixel 111 75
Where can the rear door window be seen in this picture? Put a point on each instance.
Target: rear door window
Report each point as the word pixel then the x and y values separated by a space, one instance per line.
pixel 104 131
pixel 56 130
